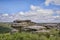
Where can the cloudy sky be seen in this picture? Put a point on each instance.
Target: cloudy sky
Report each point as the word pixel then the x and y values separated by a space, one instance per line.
pixel 42 11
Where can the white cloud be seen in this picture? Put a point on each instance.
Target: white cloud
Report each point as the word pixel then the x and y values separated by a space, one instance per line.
pixel 47 2
pixel 21 13
pixel 58 12
pixel 56 2
pixel 45 11
pixel 5 14
pixel 36 14
pixel 33 7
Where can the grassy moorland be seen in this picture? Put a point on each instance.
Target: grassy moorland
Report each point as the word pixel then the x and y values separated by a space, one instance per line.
pixel 29 36
pixel 4 27
pixel 54 34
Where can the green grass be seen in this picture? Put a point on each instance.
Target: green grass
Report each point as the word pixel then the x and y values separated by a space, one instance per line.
pixel 5 35
pixel 27 36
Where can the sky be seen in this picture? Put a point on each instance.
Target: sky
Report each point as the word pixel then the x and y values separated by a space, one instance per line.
pixel 41 11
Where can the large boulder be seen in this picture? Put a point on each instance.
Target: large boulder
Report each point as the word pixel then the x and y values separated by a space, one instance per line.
pixel 19 24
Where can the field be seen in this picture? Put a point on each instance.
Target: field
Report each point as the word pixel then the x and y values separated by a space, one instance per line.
pixel 5 34
pixel 30 36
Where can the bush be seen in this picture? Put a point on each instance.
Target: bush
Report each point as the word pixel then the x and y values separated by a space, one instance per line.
pixel 27 36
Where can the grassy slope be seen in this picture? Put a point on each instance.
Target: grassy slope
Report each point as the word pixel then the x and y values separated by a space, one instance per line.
pixel 5 27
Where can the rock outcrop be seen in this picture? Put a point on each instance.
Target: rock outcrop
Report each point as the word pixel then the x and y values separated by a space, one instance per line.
pixel 28 25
